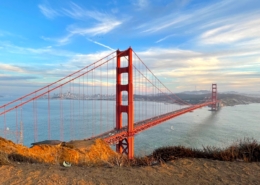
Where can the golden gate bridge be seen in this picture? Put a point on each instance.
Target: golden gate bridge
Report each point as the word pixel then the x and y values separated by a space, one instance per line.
pixel 113 98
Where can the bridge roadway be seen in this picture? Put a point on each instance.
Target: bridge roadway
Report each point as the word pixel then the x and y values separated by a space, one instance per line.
pixel 114 136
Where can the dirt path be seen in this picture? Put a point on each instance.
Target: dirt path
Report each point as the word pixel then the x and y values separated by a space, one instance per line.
pixel 182 171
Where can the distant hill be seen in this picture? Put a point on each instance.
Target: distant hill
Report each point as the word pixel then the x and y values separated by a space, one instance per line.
pixel 226 99
pixel 237 99
pixel 196 92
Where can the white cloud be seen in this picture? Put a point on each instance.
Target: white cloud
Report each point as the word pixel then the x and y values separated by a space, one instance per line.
pixel 183 68
pixel 100 28
pixel 38 51
pixel 103 45
pixel 4 33
pixel 186 68
pixel 164 38
pixel 141 4
pixel 177 19
pixel 11 68
pixel 161 24
pixel 77 12
pixel 82 60
pixel 96 23
pixel 237 31
pixel 48 11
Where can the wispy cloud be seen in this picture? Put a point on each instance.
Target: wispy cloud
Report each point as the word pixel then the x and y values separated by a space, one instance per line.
pixel 238 30
pixel 158 25
pixel 12 68
pixel 175 20
pixel 16 78
pixel 48 11
pixel 77 12
pixel 164 38
pixel 4 33
pixel 141 4
pixel 196 68
pixel 98 29
pixel 103 45
pixel 82 60
pixel 96 23
pixel 10 48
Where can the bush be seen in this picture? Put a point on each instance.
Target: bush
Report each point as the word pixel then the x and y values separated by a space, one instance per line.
pixel 247 150
pixel 21 158
pixel 4 159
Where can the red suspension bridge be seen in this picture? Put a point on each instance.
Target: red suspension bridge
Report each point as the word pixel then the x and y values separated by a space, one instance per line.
pixel 113 98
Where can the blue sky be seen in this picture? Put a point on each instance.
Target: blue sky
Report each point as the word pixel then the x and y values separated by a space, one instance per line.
pixel 189 43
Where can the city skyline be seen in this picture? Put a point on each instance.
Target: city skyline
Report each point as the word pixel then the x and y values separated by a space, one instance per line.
pixel 187 44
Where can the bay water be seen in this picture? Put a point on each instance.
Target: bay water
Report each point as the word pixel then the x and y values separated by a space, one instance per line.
pixel 194 129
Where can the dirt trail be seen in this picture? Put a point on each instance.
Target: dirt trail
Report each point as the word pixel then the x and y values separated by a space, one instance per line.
pixel 83 154
pixel 182 171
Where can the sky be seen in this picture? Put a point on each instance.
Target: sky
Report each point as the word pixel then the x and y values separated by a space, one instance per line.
pixel 188 43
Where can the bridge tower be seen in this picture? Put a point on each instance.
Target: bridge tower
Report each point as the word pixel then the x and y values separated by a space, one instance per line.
pixel 214 97
pixel 125 146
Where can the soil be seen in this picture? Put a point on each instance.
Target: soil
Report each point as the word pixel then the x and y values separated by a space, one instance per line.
pixel 181 171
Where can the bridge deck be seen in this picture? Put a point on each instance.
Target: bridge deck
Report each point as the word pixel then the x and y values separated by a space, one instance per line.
pixel 114 136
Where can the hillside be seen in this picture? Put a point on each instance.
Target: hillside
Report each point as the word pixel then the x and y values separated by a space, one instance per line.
pixel 21 165
pixel 226 99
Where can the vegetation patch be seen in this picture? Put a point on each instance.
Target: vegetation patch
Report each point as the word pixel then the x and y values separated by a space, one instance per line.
pixel 244 150
pixel 96 154
pixel 99 153
pixel 4 158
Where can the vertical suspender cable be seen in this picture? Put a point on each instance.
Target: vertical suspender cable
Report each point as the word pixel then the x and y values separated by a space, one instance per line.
pixel 107 98
pixel 16 125
pixel 79 121
pixel 92 103
pixel 4 123
pixel 100 100
pixel 70 97
pixel 49 121
pixel 83 102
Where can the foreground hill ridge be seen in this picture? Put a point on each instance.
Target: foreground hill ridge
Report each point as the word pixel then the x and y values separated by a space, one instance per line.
pixel 84 152
pixel 187 170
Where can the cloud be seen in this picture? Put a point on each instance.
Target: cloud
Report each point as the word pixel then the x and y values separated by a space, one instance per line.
pixel 100 28
pixel 10 71
pixel 186 68
pixel 96 23
pixel 82 60
pixel 192 19
pixel 233 32
pixel 103 45
pixel 158 26
pixel 4 33
pixel 48 11
pixel 164 38
pixel 16 78
pixel 12 68
pixel 10 48
pixel 77 12
pixel 141 4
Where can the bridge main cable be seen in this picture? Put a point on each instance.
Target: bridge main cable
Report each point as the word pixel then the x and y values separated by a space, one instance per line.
pixel 160 81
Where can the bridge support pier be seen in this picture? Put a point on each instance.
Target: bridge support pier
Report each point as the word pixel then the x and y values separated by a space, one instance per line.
pixel 125 146
pixel 214 106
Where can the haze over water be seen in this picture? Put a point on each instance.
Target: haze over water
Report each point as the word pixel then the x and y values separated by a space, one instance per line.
pixel 204 128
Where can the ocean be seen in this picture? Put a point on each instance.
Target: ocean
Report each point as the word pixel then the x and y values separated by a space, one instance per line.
pixel 82 120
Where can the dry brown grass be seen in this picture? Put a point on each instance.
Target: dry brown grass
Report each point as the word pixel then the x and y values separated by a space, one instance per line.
pixel 4 158
pixel 100 154
pixel 95 154
pixel 244 150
